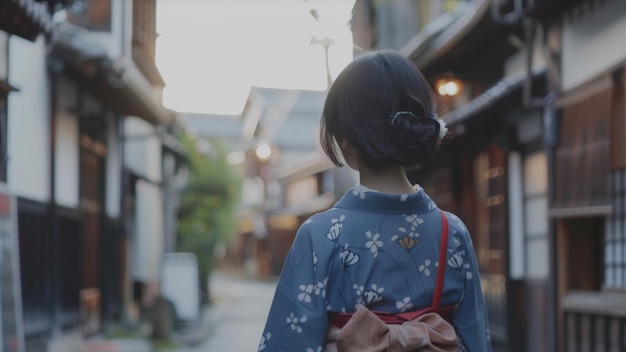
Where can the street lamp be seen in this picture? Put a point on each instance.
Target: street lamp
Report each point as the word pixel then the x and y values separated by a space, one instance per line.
pixel 449 86
pixel 263 151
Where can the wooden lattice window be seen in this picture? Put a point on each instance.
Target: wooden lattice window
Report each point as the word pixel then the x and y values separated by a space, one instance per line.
pixel 582 153
pixel 615 235
pixel 618 123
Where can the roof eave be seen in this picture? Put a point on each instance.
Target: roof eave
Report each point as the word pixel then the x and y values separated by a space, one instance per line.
pixel 445 32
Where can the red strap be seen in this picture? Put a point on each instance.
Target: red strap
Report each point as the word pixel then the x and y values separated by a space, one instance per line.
pixel 442 261
pixel 341 319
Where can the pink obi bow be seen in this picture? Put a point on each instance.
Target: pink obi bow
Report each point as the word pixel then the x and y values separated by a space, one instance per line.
pixel 366 332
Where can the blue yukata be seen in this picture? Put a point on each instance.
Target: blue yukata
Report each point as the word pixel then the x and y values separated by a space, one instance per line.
pixel 378 250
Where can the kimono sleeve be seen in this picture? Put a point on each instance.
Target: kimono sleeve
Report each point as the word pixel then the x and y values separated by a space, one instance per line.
pixel 470 319
pixel 297 319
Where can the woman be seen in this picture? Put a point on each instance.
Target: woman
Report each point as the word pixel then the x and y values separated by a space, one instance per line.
pixel 378 248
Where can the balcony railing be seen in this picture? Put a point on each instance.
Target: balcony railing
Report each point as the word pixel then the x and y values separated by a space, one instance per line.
pixel 594 322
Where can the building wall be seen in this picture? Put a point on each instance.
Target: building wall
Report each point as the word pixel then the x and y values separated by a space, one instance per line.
pixel 113 168
pixel 592 43
pixel 397 23
pixel 28 120
pixel 142 152
pixel 148 242
pixel 535 187
pixel 516 64
pixel 66 143
pixel 4 57
pixel 67 160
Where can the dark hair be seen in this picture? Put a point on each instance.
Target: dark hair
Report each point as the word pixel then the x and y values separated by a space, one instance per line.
pixel 362 108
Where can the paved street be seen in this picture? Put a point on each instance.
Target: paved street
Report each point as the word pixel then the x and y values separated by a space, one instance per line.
pixel 237 319
pixel 233 324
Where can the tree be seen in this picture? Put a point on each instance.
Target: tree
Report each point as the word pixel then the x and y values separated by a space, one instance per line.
pixel 206 215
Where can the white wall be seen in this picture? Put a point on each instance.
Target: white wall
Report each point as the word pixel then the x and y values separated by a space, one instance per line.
pixel 516 64
pixel 517 247
pixel 28 125
pixel 536 216
pixel 111 40
pixel 148 241
pixel 142 150
pixel 4 40
pixel 113 169
pixel 593 43
pixel 67 154
pixel 67 149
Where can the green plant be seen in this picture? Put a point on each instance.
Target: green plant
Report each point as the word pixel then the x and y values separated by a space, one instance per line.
pixel 207 206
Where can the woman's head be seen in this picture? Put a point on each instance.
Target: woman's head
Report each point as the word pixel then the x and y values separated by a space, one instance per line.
pixel 381 106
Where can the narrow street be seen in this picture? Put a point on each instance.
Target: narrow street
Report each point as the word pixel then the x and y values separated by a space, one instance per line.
pixel 237 318
pixel 234 323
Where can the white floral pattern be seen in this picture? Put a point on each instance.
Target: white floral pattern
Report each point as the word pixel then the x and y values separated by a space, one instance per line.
pixel 335 229
pixel 294 322
pixel 468 271
pixel 320 288
pixel 456 259
pixel 348 257
pixel 308 290
pixel 456 242
pixel 373 244
pixel 264 339
pixel 405 304
pixel 370 296
pixel 424 267
pixel 359 191
pixel 305 295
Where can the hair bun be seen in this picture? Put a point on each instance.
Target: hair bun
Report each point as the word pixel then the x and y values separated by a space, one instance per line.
pixel 415 139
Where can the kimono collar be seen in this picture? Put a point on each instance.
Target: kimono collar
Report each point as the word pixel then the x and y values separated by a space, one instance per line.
pixel 365 199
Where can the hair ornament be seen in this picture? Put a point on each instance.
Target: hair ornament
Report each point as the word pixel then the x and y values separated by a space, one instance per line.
pixel 443 129
pixel 399 113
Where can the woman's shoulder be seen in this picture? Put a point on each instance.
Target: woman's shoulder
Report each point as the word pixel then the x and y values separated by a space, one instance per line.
pixel 322 221
pixel 458 230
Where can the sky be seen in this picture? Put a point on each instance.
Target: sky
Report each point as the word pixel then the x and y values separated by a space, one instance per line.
pixel 211 52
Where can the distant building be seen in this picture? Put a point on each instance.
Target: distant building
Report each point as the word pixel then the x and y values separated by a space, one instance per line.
pixel 294 179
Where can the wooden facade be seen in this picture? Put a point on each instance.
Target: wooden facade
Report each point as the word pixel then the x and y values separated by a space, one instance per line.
pixel 73 244
pixel 588 208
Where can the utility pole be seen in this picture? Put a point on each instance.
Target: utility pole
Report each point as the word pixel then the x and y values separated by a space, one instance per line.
pixel 326 43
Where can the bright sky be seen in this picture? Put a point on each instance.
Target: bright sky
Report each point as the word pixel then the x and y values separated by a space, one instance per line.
pixel 211 52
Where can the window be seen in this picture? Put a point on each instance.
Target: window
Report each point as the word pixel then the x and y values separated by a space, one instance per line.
pixel 94 15
pixel 582 154
pixel 615 235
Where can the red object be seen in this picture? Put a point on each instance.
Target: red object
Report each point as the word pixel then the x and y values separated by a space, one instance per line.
pixel 341 319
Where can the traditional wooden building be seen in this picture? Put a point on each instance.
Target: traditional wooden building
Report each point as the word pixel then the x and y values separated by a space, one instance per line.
pixel 493 173
pixel 533 92
pixel 587 160
pixel 283 188
pixel 89 161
